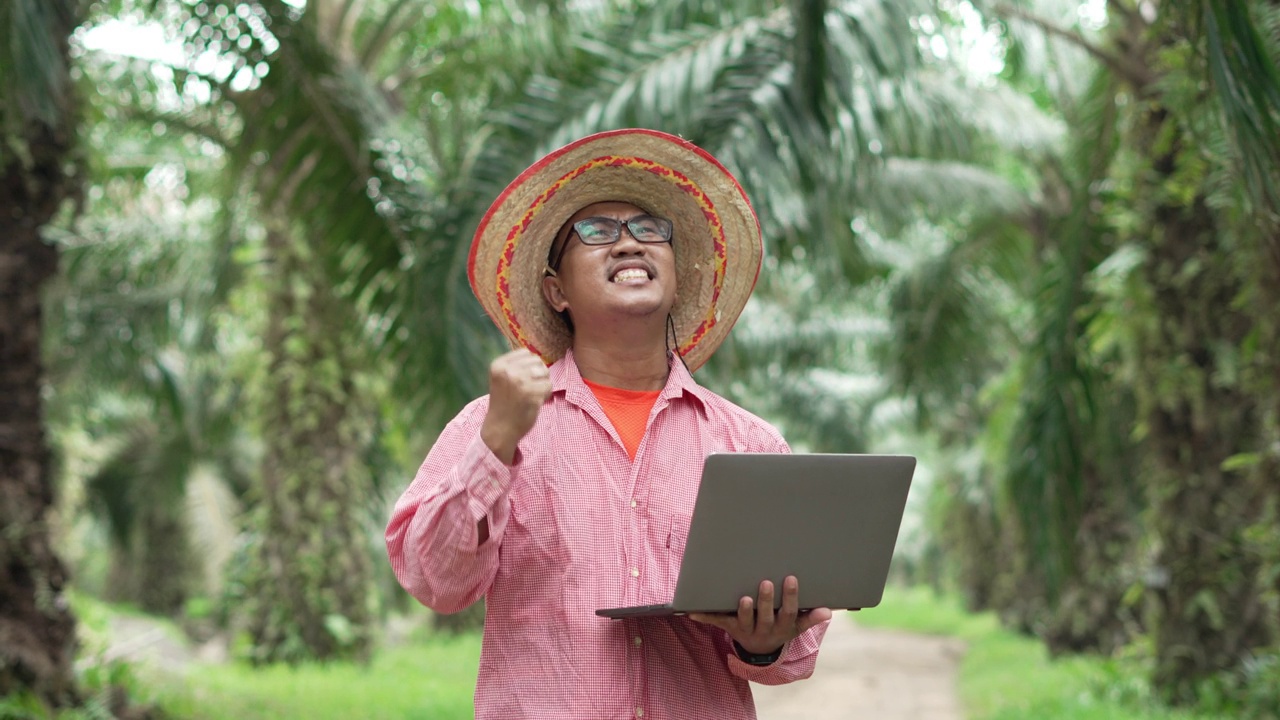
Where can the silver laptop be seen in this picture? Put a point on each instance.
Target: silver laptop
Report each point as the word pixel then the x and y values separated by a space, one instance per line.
pixel 830 520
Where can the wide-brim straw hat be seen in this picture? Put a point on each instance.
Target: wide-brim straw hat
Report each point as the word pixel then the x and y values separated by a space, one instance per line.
pixel 716 236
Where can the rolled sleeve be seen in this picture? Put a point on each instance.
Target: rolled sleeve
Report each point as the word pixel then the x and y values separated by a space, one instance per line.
pixel 797 661
pixel 432 536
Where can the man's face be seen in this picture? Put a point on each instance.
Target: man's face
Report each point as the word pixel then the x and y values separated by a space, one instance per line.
pixel 597 283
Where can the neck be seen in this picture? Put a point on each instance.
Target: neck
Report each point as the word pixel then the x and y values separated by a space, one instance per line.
pixel 621 361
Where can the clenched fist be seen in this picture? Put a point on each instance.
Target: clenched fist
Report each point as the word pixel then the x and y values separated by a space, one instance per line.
pixel 519 383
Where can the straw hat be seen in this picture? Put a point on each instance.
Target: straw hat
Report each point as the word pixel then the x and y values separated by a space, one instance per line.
pixel 716 236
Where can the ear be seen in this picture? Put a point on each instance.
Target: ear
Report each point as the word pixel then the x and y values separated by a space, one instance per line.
pixel 554 294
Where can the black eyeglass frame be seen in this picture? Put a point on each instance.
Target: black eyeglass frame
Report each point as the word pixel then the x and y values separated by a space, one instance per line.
pixel 666 229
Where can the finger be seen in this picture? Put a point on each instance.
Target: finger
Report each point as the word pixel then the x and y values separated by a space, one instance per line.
pixel 790 600
pixel 529 359
pixel 764 612
pixel 746 620
pixel 813 617
pixel 514 359
pixel 499 368
pixel 526 359
pixel 532 369
pixel 518 360
pixel 505 369
pixel 523 355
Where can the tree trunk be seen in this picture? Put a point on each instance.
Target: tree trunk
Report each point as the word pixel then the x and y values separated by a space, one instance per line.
pixel 1209 601
pixel 1090 613
pixel 311 598
pixel 162 564
pixel 37 629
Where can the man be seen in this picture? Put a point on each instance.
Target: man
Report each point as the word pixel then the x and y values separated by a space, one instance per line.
pixel 621 261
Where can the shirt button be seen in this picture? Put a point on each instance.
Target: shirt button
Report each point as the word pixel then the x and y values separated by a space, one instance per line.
pixel 637 640
pixel 639 712
pixel 635 572
pixel 633 503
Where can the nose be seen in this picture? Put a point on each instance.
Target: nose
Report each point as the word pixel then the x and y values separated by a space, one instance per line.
pixel 627 243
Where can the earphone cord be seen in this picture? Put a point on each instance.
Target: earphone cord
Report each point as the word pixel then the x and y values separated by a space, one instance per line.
pixel 673 342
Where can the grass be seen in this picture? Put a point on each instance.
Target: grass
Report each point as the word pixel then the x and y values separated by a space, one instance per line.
pixel 428 680
pixel 1006 676
pixel 428 677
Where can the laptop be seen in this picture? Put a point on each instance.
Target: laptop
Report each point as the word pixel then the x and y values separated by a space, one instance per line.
pixel 831 520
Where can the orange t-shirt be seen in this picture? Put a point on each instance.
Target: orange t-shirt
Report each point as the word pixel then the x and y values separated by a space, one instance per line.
pixel 628 410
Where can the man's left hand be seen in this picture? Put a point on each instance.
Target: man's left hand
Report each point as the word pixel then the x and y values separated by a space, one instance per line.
pixel 760 630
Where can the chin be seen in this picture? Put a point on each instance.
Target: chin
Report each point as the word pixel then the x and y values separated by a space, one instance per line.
pixel 642 309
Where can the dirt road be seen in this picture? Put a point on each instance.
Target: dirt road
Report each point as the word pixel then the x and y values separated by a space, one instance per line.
pixel 866 674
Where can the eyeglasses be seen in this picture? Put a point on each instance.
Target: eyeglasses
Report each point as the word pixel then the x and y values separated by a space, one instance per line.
pixel 607 231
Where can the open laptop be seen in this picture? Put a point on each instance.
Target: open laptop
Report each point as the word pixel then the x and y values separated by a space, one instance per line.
pixel 830 520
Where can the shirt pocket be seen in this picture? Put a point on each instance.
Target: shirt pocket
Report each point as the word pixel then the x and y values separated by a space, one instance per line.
pixel 677 537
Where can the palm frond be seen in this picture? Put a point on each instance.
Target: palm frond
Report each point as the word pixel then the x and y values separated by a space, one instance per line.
pixel 34 85
pixel 323 146
pixel 1045 65
pixel 945 315
pixel 800 356
pixel 1244 74
pixel 909 188
pixel 735 88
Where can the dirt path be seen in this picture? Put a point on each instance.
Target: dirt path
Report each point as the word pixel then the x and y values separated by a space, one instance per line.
pixel 865 673
pixel 144 641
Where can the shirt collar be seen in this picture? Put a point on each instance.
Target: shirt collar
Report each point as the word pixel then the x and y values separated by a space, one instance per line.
pixel 567 379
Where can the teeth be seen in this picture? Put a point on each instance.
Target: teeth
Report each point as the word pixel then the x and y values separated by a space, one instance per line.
pixel 630 274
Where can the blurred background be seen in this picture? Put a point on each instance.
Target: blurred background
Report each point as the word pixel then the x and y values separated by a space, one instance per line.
pixel 1034 242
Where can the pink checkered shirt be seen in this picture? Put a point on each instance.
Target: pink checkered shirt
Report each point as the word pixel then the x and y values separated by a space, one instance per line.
pixel 575 526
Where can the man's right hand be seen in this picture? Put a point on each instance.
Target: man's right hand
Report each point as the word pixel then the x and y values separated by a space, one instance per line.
pixel 519 383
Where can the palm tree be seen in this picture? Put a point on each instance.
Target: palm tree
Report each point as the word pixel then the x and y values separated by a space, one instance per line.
pixel 37 117
pixel 1155 216
pixel 308 587
pixel 357 252
pixel 130 339
pixel 1199 418
pixel 306 149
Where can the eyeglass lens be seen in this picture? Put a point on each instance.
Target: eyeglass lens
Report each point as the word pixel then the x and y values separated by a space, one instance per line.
pixel 604 231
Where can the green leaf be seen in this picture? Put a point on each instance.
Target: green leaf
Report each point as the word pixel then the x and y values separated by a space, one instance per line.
pixel 1241 461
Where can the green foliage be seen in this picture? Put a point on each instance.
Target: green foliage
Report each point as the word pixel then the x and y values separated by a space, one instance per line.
pixel 23 706
pixel 1245 76
pixel 793 321
pixel 1137 233
pixel 1189 380
pixel 1252 691
pixel 994 250
pixel 131 325
pixel 34 76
